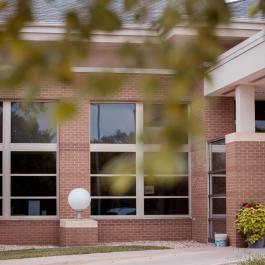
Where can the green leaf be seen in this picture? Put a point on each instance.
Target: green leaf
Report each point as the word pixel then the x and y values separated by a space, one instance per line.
pixel 64 110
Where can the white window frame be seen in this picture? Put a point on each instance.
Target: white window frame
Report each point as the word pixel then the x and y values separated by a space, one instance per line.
pixel 6 147
pixel 139 148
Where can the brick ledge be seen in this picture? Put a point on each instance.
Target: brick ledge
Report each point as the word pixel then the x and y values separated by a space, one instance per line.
pixel 78 223
pixel 244 137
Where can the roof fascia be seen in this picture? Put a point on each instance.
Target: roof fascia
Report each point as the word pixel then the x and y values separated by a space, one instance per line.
pixel 133 33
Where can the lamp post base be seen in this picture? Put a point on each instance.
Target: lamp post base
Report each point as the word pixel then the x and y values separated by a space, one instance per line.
pixel 79 214
pixel 78 232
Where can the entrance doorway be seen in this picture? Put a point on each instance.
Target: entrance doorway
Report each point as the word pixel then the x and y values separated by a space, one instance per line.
pixel 217 188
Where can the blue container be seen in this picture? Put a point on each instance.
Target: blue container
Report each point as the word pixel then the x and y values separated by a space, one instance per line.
pixel 257 244
pixel 220 240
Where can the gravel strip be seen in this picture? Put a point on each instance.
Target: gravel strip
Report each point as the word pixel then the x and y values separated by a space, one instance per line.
pixel 169 244
pixel 22 247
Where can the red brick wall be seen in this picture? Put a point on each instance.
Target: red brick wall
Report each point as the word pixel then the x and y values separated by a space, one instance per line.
pixel 25 232
pixel 217 117
pixel 245 163
pixel 144 229
pixel 78 236
pixel 74 169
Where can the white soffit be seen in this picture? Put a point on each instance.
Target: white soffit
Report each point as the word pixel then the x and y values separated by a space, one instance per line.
pixel 243 64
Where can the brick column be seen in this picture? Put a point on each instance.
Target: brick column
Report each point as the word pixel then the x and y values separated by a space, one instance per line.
pixel 245 176
pixel 73 158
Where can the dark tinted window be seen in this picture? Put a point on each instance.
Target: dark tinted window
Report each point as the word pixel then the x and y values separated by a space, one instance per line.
pixel 113 207
pixel 1 207
pixel 113 123
pixel 218 185
pixel 1 121
pixel 113 186
pixel 219 205
pixel 33 186
pixel 111 162
pixel 218 162
pixel 166 206
pixel 166 186
pixel 33 162
pixel 31 123
pixel 1 186
pixel 154 120
pixel 32 207
pixel 1 163
pixel 260 116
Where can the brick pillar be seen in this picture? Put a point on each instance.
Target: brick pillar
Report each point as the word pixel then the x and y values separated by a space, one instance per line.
pixel 73 158
pixel 245 176
pixel 199 196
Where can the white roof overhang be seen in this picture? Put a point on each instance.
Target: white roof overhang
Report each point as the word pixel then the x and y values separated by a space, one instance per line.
pixel 243 64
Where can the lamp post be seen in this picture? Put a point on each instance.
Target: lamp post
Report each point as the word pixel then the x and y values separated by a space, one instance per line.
pixel 79 199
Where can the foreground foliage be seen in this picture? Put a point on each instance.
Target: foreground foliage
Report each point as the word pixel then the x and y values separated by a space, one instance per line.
pixel 33 253
pixel 25 64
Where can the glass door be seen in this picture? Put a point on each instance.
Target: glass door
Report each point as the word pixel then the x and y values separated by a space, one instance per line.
pixel 217 188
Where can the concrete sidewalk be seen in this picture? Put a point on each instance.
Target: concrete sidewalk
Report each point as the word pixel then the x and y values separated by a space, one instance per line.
pixel 197 256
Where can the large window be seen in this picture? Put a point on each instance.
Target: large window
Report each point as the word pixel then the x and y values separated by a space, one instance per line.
pixel 127 189
pixel 29 175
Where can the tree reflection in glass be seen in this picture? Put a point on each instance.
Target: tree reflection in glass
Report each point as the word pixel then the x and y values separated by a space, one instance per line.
pixel 113 123
pixel 31 123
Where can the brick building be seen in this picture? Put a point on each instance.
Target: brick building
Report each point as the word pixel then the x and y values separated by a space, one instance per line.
pixel 42 164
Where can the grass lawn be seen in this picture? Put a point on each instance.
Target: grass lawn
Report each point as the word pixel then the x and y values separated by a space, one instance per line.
pixel 254 261
pixel 32 253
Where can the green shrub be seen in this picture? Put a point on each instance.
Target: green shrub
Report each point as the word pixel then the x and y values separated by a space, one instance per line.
pixel 251 221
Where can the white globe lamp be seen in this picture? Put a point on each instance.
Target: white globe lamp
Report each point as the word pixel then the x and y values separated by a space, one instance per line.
pixel 79 199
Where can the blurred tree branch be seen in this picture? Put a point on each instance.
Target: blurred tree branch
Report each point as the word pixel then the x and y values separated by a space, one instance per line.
pixel 23 63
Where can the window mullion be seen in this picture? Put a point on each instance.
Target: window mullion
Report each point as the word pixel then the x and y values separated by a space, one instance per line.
pixel 6 158
pixel 139 159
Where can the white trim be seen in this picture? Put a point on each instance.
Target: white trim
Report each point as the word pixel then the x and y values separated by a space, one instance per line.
pixel 127 148
pixel 135 33
pixel 122 70
pixel 134 217
pixel 244 137
pixel 24 217
pixel 139 160
pixel 19 147
pixel 247 54
pixel 6 159
pixel 218 148
pixel 112 175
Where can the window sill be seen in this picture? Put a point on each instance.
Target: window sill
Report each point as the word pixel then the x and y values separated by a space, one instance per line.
pixel 29 218
pixel 115 217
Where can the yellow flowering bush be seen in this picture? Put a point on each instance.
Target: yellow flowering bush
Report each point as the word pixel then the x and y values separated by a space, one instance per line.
pixel 250 221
